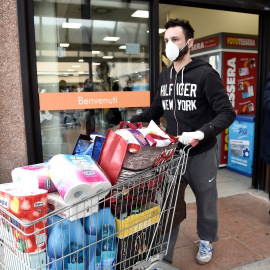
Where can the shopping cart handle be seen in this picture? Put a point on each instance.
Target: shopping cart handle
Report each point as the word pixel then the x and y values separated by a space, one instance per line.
pixel 194 142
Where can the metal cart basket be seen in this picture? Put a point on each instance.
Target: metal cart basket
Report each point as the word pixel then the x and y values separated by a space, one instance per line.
pixel 127 228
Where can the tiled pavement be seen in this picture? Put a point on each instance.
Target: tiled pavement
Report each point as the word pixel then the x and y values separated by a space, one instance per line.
pixel 244 228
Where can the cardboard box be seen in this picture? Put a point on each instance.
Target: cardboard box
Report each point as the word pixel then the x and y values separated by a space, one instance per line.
pixel 134 236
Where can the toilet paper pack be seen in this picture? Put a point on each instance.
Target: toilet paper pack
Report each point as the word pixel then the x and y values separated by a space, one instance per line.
pixel 83 209
pixel 77 177
pixel 32 261
pixel 34 176
pixel 27 205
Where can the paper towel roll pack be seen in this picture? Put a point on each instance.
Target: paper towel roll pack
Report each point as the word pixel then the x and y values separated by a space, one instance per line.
pixel 34 176
pixel 27 205
pixel 83 209
pixel 77 177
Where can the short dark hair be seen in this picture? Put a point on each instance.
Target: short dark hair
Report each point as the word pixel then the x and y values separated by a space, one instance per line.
pixel 187 28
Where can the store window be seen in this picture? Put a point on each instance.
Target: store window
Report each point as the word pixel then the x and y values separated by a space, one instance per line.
pixel 92 67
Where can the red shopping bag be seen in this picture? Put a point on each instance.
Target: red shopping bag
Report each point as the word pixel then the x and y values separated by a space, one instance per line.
pixel 114 150
pixel 116 153
pixel 112 155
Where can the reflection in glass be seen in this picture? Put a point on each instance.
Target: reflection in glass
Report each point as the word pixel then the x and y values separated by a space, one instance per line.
pixel 74 55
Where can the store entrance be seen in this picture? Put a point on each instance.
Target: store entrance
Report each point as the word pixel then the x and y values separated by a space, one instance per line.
pixel 217 36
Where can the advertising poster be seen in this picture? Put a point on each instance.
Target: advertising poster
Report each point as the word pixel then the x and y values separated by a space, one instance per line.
pixel 240 80
pixel 241 145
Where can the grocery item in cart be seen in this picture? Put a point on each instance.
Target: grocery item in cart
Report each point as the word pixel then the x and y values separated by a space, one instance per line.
pixel 94 222
pixel 106 249
pixel 98 226
pixel 129 190
pixel 116 154
pixel 151 135
pixel 135 234
pixel 79 210
pixel 89 145
pixel 51 221
pixel 66 238
pixel 34 176
pixel 27 205
pixel 77 177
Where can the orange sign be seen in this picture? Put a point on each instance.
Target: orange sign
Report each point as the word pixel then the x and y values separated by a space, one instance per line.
pixel 241 41
pixel 93 100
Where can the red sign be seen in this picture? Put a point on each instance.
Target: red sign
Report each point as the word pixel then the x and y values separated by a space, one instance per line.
pixel 205 44
pixel 240 80
pixel 241 41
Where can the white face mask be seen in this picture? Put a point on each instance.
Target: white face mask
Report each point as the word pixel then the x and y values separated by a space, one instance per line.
pixel 172 50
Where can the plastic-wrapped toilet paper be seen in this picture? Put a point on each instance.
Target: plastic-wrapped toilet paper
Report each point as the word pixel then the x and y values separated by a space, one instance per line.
pixel 34 176
pixel 77 177
pixel 27 205
pixel 83 209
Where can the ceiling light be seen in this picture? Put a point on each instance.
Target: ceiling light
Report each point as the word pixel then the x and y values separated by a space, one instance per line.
pixel 71 25
pixel 81 60
pixel 160 30
pixel 123 47
pixel 71 70
pixel 64 45
pixel 95 52
pixel 107 57
pixel 75 66
pixel 95 64
pixel 141 14
pixel 111 38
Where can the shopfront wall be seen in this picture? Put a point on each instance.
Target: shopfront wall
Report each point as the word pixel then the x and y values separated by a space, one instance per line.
pixel 12 124
pixel 56 130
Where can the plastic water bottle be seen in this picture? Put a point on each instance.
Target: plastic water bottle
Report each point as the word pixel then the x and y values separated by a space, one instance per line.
pixel 106 249
pixel 56 241
pixel 66 238
pixel 51 221
pixel 105 216
pixel 92 224
pixel 89 252
pixel 96 227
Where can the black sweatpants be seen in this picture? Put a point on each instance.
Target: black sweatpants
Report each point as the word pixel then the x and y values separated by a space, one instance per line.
pixel 201 174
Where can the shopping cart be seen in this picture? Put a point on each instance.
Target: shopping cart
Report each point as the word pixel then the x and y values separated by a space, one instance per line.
pixel 128 227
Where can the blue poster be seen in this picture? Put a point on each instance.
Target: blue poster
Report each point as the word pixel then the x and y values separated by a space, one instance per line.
pixel 241 145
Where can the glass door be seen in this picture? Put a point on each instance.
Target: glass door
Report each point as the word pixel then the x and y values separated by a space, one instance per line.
pixel 92 67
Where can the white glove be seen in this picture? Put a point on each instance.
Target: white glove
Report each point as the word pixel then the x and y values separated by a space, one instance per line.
pixel 187 137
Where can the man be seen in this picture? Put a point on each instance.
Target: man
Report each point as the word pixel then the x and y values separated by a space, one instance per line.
pixel 196 106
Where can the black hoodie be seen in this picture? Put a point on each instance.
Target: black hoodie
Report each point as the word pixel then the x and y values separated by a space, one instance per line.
pixel 192 99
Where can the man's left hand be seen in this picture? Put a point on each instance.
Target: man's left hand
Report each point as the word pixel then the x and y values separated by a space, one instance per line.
pixel 187 137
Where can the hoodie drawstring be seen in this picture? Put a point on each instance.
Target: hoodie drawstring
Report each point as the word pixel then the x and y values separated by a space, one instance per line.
pixel 183 75
pixel 175 95
pixel 171 75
